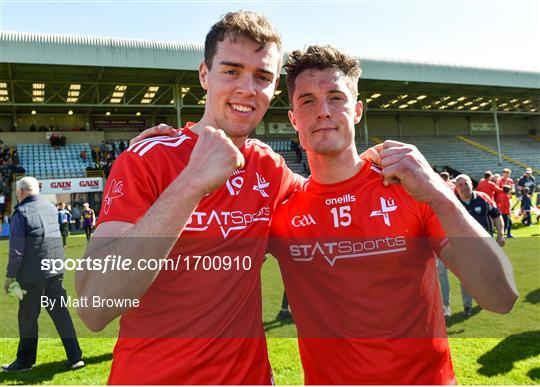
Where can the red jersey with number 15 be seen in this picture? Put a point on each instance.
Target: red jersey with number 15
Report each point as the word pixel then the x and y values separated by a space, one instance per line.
pixel 358 263
pixel 200 322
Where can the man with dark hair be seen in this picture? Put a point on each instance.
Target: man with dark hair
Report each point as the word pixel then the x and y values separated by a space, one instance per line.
pixel 64 219
pixel 207 192
pixel 88 220
pixel 356 243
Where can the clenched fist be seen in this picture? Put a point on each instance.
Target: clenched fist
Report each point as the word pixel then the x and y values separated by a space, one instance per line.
pixel 213 159
pixel 403 163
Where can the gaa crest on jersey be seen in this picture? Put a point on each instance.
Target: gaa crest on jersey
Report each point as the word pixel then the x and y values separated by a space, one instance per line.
pixel 387 206
pixel 302 221
pixel 114 191
pixel 261 185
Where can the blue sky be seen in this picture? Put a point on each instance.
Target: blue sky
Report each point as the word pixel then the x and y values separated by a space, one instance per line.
pixel 498 34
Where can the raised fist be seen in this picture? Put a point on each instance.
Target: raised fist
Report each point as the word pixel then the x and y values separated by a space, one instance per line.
pixel 213 159
pixel 404 164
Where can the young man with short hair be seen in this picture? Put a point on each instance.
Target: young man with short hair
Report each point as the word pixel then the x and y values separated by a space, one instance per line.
pixel 506 179
pixel 357 251
pixel 207 193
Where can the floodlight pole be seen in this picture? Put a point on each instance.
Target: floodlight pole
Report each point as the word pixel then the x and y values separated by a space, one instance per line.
pixel 497 134
pixel 178 101
pixel 364 116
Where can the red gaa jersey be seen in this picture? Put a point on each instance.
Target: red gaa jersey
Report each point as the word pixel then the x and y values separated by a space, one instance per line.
pixel 199 322
pixel 358 263
pixel 489 188
pixel 506 181
pixel 504 202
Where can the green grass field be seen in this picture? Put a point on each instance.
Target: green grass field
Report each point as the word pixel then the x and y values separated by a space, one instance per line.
pixel 505 348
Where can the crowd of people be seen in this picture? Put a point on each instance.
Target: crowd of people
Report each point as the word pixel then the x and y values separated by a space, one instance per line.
pixel 9 167
pixel 103 155
pixel 491 206
pixel 499 189
pixel 75 218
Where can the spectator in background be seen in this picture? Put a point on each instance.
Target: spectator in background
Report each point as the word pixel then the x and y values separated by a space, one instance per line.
pixel 446 178
pixel 526 207
pixel 506 179
pixel 83 155
pixel 284 312
pixel 487 186
pixel 295 146
pixel 504 202
pixel 5 154
pixel 10 166
pixel 526 181
pixel 495 179
pixel 102 150
pixel 3 200
pixel 54 140
pixel 89 220
pixel 19 169
pixel 64 218
pixel 482 210
pixel 34 238
pixel 122 146
pixel 15 157
pixel 76 215
pixel 95 154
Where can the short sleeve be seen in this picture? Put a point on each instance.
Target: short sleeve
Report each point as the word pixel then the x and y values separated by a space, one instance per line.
pixel 434 230
pixel 290 181
pixel 130 191
pixel 278 230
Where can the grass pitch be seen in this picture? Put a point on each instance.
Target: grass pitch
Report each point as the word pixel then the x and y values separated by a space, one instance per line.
pixel 505 348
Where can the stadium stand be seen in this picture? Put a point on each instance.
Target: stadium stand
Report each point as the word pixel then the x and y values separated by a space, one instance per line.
pixel 45 162
pixel 520 148
pixel 279 145
pixel 450 151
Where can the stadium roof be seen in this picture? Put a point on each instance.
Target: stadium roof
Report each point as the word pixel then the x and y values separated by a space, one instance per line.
pixel 56 70
pixel 20 47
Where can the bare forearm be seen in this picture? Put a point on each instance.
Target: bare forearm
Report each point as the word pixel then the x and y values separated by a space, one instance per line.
pixel 475 257
pixel 152 237
pixel 499 225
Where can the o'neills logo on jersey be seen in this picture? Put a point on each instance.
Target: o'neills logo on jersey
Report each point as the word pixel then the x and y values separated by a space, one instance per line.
pixel 303 220
pixel 226 220
pixel 334 251
pixel 61 184
pixel 347 198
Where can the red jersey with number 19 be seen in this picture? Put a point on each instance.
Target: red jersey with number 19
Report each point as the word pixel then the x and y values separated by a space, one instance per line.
pixel 200 322
pixel 358 263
